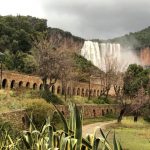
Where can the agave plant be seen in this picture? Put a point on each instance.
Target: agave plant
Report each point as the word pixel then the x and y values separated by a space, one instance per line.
pixel 74 128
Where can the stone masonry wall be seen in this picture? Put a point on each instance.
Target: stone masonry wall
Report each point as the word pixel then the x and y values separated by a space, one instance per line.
pixel 13 80
pixel 18 118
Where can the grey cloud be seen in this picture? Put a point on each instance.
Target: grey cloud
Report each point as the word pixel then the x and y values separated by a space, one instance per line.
pixel 98 18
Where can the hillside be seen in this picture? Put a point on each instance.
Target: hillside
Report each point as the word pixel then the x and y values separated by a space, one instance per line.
pixel 134 40
pixel 17 34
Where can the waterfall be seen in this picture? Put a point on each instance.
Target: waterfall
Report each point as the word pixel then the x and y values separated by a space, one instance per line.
pixel 106 55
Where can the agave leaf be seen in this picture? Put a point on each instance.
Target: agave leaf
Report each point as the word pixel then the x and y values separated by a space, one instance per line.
pixel 73 143
pixel 86 143
pixel 26 142
pixel 107 134
pixel 50 135
pixel 72 118
pixel 119 145
pixel 103 135
pixel 116 144
pixel 62 136
pixel 64 143
pixel 63 120
pixel 32 126
pixel 78 131
pixel 90 138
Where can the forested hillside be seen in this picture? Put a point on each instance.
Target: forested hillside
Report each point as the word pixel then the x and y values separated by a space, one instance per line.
pixel 17 35
pixel 135 40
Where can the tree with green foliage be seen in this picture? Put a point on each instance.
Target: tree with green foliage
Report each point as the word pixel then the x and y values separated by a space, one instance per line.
pixel 134 92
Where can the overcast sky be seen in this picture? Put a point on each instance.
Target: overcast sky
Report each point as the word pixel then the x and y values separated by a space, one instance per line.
pixel 86 18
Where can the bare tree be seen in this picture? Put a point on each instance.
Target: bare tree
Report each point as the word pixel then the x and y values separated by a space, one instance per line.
pixel 67 72
pixel 108 76
pixel 49 60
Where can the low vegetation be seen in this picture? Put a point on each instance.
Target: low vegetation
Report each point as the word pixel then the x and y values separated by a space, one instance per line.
pixel 70 138
pixel 133 136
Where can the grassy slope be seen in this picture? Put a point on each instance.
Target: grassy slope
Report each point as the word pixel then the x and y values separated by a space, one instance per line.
pixel 12 100
pixel 133 136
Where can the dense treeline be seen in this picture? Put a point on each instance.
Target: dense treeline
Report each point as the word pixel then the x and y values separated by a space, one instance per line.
pixel 135 40
pixel 16 32
pixel 16 39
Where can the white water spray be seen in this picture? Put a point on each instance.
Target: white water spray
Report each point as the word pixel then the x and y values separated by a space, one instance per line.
pixel 104 54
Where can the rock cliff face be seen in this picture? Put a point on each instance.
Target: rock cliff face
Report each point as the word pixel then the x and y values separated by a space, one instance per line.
pixel 65 40
pixel 145 56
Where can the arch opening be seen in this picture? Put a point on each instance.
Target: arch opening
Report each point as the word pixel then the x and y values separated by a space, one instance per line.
pixel 103 113
pixel 78 91
pixel 74 91
pixel 34 86
pixel 94 112
pixel 28 85
pixel 83 92
pixel 53 89
pixel 12 84
pixel 20 84
pixel 41 87
pixel 69 91
pixel 4 83
pixel 58 90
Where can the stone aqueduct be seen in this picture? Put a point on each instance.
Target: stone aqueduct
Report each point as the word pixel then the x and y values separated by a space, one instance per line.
pixel 11 80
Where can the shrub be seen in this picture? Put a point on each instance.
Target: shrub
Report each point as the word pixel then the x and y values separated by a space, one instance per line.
pixel 101 100
pixel 40 109
pixel 50 97
pixel 146 113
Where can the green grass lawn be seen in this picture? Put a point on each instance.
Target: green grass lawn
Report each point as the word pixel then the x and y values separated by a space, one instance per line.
pixel 132 136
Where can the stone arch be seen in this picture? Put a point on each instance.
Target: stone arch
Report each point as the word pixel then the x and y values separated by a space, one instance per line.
pixel 34 86
pixel 103 112
pixel 63 112
pixel 41 86
pixel 12 84
pixel 63 91
pixel 74 91
pixel 58 90
pixel 111 110
pixel 91 92
pixel 94 92
pixel 20 84
pixel 87 92
pixel 4 83
pixel 69 90
pixel 98 94
pixel 82 94
pixel 94 112
pixel 107 111
pixel 78 91
pixel 53 89
pixel 28 85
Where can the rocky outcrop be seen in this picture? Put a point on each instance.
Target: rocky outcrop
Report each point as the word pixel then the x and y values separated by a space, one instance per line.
pixel 145 56
pixel 65 40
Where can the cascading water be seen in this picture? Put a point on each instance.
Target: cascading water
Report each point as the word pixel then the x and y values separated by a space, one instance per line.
pixel 104 55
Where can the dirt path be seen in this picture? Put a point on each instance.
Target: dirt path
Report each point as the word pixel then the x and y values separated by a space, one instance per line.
pixel 89 129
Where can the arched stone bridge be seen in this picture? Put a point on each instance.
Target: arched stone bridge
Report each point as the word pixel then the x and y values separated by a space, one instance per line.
pixel 12 80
